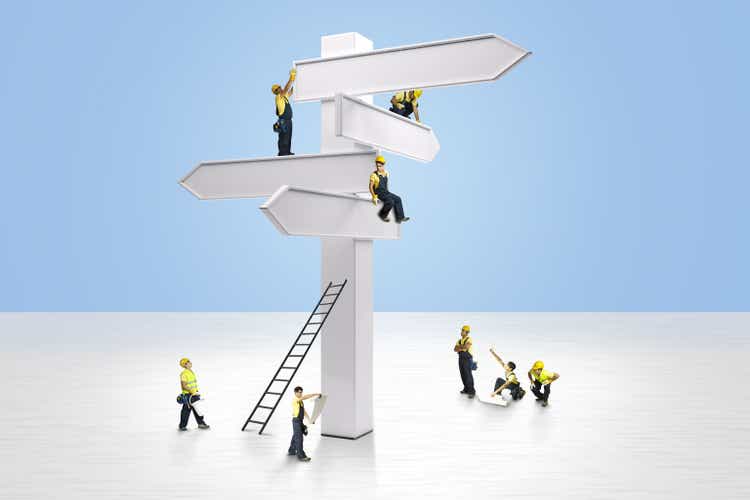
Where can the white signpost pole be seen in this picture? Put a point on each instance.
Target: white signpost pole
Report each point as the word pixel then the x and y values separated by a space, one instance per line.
pixel 347 337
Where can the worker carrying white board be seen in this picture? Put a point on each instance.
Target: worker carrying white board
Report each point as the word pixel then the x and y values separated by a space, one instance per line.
pixel 510 381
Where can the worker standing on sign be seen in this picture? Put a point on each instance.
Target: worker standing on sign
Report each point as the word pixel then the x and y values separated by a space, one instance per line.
pixel 540 377
pixel 283 125
pixel 510 381
pixel 379 190
pixel 465 361
pixel 405 103
pixel 299 429
pixel 190 396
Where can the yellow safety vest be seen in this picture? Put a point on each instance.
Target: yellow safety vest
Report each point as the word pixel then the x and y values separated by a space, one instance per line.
pixel 191 381
pixel 462 341
pixel 297 405
pixel 543 377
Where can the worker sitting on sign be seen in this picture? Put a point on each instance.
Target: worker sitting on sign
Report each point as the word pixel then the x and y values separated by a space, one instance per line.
pixel 283 125
pixel 405 103
pixel 540 377
pixel 510 381
pixel 299 429
pixel 190 397
pixel 379 190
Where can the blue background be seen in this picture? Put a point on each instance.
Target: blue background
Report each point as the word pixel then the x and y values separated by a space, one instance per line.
pixel 608 172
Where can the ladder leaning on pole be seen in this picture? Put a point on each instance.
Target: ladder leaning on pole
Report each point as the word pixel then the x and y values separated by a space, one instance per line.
pixel 303 342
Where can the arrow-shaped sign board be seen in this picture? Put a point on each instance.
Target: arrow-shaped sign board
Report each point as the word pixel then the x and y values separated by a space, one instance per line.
pixel 344 172
pixel 377 127
pixel 457 61
pixel 307 212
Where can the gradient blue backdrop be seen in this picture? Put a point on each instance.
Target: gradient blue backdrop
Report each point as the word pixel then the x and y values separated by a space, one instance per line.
pixel 606 172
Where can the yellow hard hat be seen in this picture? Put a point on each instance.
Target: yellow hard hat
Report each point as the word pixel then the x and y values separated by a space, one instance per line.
pixel 465 328
pixel 275 87
pixel 538 365
pixel 184 361
pixel 380 159
pixel 417 93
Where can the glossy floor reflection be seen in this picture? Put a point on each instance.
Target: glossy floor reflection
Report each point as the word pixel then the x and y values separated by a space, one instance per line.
pixel 647 406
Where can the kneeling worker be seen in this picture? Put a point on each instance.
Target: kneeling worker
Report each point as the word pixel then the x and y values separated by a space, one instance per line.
pixel 190 396
pixel 405 103
pixel 540 377
pixel 298 426
pixel 510 381
pixel 379 190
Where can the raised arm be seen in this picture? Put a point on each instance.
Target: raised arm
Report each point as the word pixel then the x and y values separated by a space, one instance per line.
pixel 416 112
pixel 499 360
pixel 292 76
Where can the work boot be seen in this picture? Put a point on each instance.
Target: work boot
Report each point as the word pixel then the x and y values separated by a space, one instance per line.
pixel 403 220
pixel 385 219
pixel 305 459
pixel 182 428
pixel 544 403
pixel 463 392
pixel 204 426
pixel 471 396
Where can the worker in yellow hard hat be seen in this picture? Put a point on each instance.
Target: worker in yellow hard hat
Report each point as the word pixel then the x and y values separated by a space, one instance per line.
pixel 190 397
pixel 539 378
pixel 379 191
pixel 283 125
pixel 466 361
pixel 405 103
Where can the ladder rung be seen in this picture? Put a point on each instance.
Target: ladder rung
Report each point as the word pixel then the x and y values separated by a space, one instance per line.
pixel 256 422
pixel 282 380
pixel 335 286
pixel 315 323
pixel 288 367
pixel 318 314
pixel 302 344
pixel 295 356
pixel 266 407
pixel 274 393
pixel 325 303
pixel 309 333
pixel 330 294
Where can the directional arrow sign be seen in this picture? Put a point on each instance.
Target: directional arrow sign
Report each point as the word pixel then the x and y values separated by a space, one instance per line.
pixel 346 172
pixel 308 212
pixel 472 59
pixel 378 127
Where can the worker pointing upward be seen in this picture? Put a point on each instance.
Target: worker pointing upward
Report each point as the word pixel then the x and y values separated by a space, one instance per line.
pixel 405 103
pixel 379 190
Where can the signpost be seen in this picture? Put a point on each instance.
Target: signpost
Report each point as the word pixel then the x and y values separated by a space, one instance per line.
pixel 312 195
pixel 377 127
pixel 472 59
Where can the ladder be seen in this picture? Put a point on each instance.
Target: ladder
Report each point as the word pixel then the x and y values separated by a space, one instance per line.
pixel 284 374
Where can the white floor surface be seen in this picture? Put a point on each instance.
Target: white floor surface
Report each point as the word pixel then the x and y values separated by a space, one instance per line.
pixel 647 406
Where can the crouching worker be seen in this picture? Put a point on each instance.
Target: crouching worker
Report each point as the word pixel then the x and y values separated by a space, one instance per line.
pixel 510 381
pixel 379 190
pixel 299 429
pixel 539 378
pixel 190 396
pixel 405 103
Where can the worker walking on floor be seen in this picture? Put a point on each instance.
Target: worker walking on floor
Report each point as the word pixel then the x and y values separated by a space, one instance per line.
pixel 405 103
pixel 299 429
pixel 283 125
pixel 190 397
pixel 379 191
pixel 510 381
pixel 465 361
pixel 539 378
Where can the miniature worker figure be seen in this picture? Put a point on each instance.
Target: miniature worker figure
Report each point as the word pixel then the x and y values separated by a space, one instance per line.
pixel 510 381
pixel 465 361
pixel 283 125
pixel 298 426
pixel 540 377
pixel 190 396
pixel 405 103
pixel 379 190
